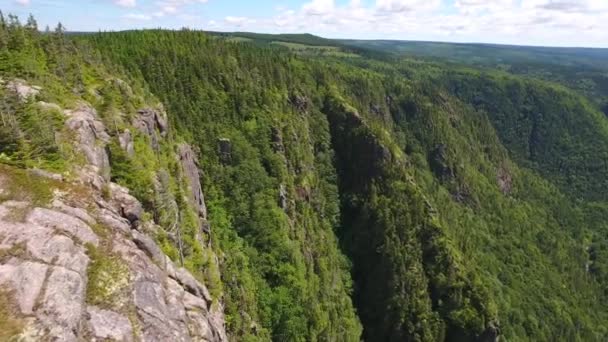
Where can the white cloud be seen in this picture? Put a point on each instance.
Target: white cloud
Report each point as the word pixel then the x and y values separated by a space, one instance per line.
pixel 319 7
pixel 239 21
pixel 126 3
pixel 23 2
pixel 397 6
pixel 538 22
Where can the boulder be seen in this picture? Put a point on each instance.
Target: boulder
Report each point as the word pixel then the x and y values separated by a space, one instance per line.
pixel 23 90
pixel 49 106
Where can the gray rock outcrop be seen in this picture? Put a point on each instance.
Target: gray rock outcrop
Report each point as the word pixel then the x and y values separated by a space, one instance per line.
pixel 152 123
pixel 92 137
pixel 81 266
pixel 196 197
pixel 190 170
pixel 125 140
pixel 46 264
pixel 23 90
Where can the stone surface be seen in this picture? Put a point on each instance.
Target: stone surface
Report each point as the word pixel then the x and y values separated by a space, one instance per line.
pixel 61 307
pixel 146 244
pixel 152 123
pixel 190 170
pixel 283 200
pixel 92 137
pixel 23 90
pixel 125 139
pixel 114 221
pixel 26 279
pixel 66 223
pixel 49 106
pixel 106 324
pixel 128 206
pixel 504 180
pixel 78 213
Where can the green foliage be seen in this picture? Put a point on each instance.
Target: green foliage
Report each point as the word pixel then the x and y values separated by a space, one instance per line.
pixel 21 185
pixel 379 198
pixel 108 278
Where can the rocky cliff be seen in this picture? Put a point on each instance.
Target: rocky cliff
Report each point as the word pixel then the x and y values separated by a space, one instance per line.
pixel 78 253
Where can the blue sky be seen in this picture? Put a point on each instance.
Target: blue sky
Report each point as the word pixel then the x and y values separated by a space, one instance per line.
pixel 526 22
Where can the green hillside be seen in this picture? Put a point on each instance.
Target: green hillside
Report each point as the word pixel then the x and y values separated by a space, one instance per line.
pixel 352 198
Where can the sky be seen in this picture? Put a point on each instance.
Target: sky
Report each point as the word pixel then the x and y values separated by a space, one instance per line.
pixel 582 23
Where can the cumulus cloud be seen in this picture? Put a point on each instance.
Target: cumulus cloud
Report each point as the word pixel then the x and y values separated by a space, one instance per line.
pixel 319 7
pixel 538 22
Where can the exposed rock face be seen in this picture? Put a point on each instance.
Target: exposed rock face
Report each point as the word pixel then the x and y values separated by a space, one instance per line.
pixel 196 197
pixel 152 123
pixel 51 270
pixel 125 204
pixel 283 199
pixel 92 138
pixel 106 324
pixel 190 169
pixel 81 267
pixel 22 89
pixel 505 180
pixel 46 266
pixel 125 139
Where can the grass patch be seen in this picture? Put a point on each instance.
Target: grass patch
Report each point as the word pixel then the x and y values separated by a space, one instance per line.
pixel 10 325
pixel 108 279
pixel 15 251
pixel 20 185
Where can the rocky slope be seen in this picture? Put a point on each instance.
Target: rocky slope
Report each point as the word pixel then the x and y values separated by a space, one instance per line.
pixel 77 257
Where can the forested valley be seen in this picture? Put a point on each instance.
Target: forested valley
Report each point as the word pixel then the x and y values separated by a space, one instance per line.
pixel 349 194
